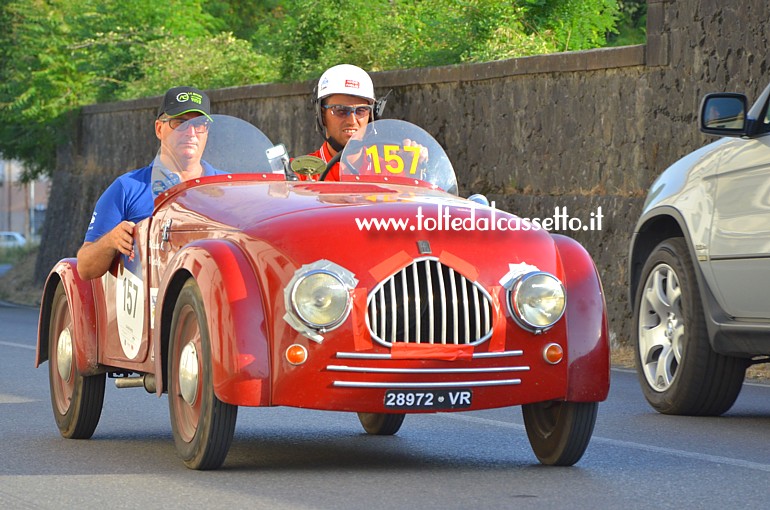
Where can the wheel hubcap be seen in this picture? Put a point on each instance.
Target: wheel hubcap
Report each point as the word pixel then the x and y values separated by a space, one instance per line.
pixel 188 373
pixel 661 327
pixel 546 415
pixel 64 354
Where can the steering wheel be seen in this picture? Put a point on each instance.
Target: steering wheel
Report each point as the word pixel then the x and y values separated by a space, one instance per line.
pixel 353 146
pixel 329 165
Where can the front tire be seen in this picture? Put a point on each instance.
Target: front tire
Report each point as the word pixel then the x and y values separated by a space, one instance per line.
pixel 678 370
pixel 76 400
pixel 559 432
pixel 203 426
pixel 381 424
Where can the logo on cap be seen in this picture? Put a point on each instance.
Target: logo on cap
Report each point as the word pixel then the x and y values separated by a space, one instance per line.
pixel 353 84
pixel 183 97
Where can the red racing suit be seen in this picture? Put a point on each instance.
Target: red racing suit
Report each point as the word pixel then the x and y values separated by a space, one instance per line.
pixel 334 174
pixel 325 154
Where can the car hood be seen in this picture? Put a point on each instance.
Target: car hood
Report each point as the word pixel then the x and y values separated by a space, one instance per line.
pixel 306 222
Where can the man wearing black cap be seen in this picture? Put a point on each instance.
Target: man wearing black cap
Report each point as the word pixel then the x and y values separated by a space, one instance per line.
pixel 182 128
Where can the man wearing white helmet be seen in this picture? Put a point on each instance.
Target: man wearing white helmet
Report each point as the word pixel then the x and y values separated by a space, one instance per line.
pixel 344 103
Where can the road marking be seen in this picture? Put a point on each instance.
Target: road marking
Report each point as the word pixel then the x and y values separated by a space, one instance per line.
pixel 8 500
pixel 13 399
pixel 627 444
pixel 717 459
pixel 23 346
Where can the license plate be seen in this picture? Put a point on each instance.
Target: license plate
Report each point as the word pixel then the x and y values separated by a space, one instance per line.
pixel 428 399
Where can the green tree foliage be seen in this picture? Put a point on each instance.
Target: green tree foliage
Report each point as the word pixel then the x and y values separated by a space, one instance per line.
pixel 216 62
pixel 632 23
pixel 241 17
pixel 572 24
pixel 58 55
pixel 309 34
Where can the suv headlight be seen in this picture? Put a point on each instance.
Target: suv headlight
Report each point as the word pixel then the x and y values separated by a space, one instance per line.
pixel 537 300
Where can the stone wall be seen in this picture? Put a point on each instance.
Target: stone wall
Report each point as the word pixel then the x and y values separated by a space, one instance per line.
pixel 579 130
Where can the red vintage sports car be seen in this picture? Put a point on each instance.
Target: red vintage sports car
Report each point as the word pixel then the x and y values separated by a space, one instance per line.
pixel 253 288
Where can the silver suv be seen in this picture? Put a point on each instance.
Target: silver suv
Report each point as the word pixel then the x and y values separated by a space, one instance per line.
pixel 699 264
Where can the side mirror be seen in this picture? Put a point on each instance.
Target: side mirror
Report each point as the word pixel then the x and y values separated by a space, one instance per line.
pixel 724 114
pixel 307 165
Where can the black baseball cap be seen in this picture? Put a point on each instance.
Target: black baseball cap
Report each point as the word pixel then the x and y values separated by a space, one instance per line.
pixel 179 100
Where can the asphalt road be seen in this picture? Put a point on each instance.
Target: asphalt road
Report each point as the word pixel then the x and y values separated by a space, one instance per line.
pixel 296 459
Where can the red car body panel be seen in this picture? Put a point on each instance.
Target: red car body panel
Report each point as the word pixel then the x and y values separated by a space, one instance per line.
pixel 240 353
pixel 586 317
pixel 80 295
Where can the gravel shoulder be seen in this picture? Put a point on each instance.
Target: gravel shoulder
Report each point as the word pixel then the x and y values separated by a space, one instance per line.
pixel 17 285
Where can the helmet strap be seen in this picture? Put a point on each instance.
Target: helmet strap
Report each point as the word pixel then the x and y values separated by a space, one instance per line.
pixel 334 144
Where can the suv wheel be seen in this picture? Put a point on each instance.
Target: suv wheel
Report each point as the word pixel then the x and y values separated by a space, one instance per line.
pixel 677 368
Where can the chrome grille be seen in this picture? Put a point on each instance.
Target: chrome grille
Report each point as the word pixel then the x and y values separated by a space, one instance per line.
pixel 429 302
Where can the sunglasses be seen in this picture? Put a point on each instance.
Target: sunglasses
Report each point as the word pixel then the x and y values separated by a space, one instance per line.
pixel 341 110
pixel 199 124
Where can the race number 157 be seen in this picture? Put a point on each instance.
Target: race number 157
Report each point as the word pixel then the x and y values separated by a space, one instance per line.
pixel 130 293
pixel 392 155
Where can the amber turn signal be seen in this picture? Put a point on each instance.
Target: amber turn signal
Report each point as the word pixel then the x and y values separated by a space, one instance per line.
pixel 553 353
pixel 296 354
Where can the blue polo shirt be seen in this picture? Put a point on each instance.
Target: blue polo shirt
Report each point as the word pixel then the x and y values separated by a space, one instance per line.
pixel 129 198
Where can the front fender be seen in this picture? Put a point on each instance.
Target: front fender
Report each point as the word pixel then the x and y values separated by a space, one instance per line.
pixel 80 297
pixel 236 319
pixel 588 378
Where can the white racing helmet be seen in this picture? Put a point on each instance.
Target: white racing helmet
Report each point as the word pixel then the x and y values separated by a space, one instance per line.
pixel 342 79
pixel 345 79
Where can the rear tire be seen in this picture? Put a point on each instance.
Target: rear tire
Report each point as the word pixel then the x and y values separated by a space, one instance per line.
pixel 76 400
pixel 559 432
pixel 678 370
pixel 381 424
pixel 203 426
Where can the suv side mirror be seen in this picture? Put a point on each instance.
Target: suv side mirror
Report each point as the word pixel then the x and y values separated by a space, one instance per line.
pixel 724 114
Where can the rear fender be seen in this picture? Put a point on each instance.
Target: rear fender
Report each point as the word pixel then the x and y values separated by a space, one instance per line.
pixel 80 296
pixel 587 329
pixel 236 319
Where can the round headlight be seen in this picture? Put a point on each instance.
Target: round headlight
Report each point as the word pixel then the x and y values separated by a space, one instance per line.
pixel 320 299
pixel 537 300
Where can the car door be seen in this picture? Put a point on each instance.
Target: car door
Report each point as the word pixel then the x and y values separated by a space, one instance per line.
pixel 126 307
pixel 740 235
